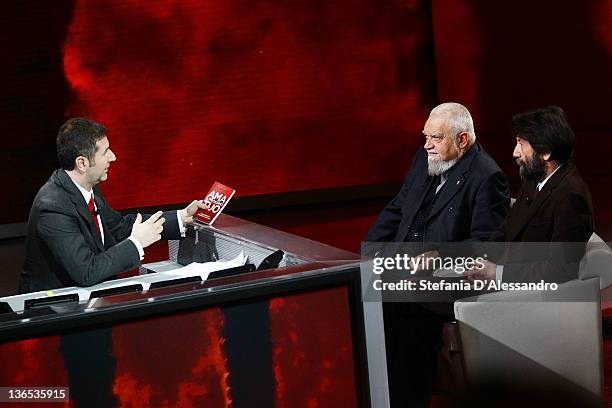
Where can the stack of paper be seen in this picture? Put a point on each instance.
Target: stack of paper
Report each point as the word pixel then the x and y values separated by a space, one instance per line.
pixel 204 269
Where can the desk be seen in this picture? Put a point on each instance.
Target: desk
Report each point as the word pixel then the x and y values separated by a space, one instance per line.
pixel 287 336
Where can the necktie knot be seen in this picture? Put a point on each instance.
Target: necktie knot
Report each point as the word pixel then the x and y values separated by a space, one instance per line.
pixel 92 206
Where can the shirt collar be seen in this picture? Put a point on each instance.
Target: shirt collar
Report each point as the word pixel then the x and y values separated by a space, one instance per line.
pixel 443 177
pixel 540 185
pixel 86 194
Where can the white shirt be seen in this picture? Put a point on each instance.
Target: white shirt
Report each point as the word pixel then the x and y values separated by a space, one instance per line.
pixel 87 196
pixel 443 179
pixel 540 185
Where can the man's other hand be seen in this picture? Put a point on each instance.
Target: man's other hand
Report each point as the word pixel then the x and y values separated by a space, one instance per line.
pixel 486 273
pixel 187 212
pixel 149 231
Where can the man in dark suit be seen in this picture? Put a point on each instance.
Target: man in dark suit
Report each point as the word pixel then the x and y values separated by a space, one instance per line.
pixel 74 237
pixel 553 206
pixel 454 192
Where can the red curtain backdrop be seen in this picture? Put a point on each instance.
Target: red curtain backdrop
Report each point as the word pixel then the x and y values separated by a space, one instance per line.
pixel 264 97
pixel 274 96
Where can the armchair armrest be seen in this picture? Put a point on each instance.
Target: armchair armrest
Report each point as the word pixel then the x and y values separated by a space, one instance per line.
pixel 535 339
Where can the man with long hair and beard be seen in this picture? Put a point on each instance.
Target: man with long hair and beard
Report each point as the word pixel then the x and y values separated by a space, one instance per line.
pixel 554 205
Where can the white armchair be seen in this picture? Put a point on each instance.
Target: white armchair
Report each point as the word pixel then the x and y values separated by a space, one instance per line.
pixel 533 341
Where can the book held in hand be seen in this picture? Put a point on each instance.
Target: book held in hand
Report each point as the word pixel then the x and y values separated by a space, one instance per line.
pixel 215 201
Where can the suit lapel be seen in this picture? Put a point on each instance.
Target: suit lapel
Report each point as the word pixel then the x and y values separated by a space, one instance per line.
pixel 109 241
pixel 79 202
pixel 421 197
pixel 527 206
pixel 455 181
pixel 411 208
pixel 453 184
pixel 529 194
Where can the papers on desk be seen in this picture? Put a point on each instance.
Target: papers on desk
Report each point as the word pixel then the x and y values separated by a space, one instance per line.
pixel 204 269
pixel 17 302
pixel 193 269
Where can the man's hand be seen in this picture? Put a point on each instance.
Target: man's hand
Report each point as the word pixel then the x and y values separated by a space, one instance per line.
pixel 187 212
pixel 425 262
pixel 487 273
pixel 149 231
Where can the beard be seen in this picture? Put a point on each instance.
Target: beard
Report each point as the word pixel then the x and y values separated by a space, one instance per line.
pixel 531 169
pixel 437 167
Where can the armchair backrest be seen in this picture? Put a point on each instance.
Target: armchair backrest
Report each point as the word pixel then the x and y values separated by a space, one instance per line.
pixel 597 262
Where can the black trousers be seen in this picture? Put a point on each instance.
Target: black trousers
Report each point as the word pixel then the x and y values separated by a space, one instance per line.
pixel 91 367
pixel 412 339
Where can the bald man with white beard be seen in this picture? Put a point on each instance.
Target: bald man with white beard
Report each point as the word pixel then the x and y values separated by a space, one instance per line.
pixel 454 192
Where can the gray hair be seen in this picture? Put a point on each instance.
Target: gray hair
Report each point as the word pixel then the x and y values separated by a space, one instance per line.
pixel 458 119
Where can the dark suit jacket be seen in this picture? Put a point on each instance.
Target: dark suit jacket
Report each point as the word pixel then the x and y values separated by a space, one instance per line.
pixel 63 247
pixel 562 214
pixel 470 206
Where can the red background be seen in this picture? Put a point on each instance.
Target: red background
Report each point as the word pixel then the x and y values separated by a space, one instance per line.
pixel 278 97
pixel 269 96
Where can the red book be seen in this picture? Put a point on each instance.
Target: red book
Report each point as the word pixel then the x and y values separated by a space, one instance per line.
pixel 217 198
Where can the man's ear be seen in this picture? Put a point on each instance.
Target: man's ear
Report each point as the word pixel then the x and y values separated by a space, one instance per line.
pixel 81 163
pixel 463 140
